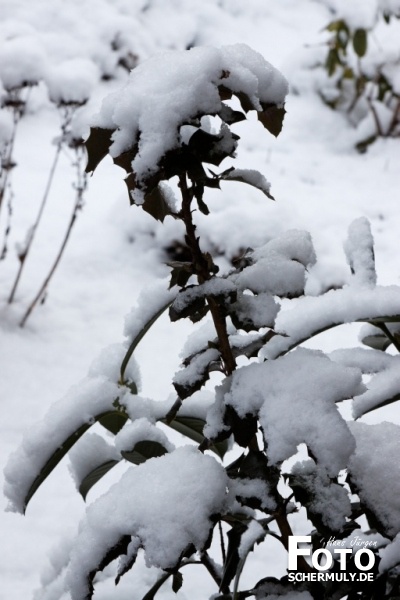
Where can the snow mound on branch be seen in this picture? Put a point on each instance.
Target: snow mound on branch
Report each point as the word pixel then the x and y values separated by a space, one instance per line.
pixel 294 397
pixel 168 90
pixel 144 505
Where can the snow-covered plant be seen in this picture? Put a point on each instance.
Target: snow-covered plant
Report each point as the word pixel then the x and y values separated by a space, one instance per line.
pixel 363 66
pixel 273 450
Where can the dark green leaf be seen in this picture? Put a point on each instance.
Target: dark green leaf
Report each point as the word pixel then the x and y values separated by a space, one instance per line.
pixel 97 145
pixel 156 205
pixel 94 476
pixel 112 553
pixel 177 582
pixel 58 455
pixel 230 116
pixel 360 42
pixel 377 341
pixel 332 61
pixel 232 556
pixel 272 118
pixel 144 450
pixel 113 421
pixel 125 159
pixel 192 427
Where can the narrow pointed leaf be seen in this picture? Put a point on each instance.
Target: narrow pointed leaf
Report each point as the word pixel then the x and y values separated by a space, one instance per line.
pixel 177 582
pixel 140 336
pixel 192 428
pixel 94 476
pixel 58 455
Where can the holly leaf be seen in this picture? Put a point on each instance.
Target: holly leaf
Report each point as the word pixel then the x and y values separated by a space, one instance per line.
pixel 97 146
pixel 272 118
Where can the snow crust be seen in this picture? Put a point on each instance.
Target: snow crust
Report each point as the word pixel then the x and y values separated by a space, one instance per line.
pixel 144 504
pixel 359 248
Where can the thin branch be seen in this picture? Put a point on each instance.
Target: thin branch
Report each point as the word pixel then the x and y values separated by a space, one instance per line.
pixel 80 188
pixel 221 537
pixel 203 274
pixel 385 329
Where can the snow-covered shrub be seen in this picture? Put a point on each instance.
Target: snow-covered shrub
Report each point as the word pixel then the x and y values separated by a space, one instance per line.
pixel 295 462
pixel 363 67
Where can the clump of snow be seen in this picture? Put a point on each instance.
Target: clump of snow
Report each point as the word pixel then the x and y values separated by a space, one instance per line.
pixel 358 14
pixel 382 387
pixel 151 301
pixel 294 398
pixel 22 61
pixel 138 431
pixel 167 91
pixel 329 500
pixel 88 453
pixel 311 315
pixel 279 267
pixel 144 505
pixel 256 311
pixel 359 248
pixel 197 368
pixel 72 81
pixel 254 533
pixel 108 365
pixel 371 467
pixel 254 488
pixel 367 360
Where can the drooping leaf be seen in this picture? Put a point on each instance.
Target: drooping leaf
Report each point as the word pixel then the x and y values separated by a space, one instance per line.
pixel 125 159
pixel 249 176
pixel 177 581
pixel 97 146
pixel 230 116
pixel 144 450
pixel 94 476
pixel 121 547
pixel 272 118
pixel 156 205
pixel 58 455
pixel 232 555
pixel 377 341
pixel 360 42
pixel 148 324
pixel 192 427
pixel 113 421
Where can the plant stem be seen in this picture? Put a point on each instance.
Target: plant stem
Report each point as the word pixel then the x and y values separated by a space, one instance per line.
pixel 385 329
pixel 80 188
pixel 203 274
pixel 286 532
pixel 32 232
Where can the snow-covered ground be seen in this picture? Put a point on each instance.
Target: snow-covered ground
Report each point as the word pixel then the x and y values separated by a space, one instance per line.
pixel 319 181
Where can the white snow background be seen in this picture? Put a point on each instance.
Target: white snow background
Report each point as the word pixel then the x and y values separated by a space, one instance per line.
pixel 320 183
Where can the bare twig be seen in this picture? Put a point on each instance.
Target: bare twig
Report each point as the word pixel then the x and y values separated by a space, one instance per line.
pixel 66 118
pixel 80 189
